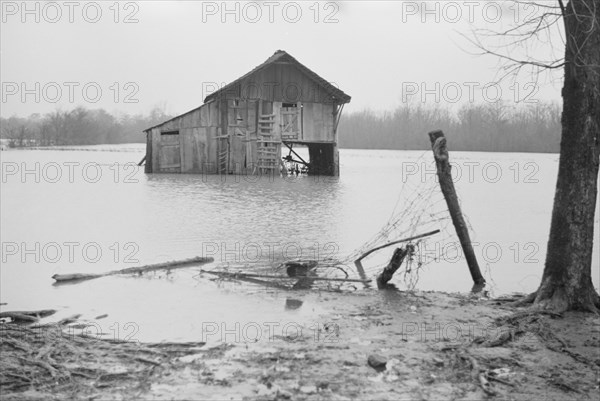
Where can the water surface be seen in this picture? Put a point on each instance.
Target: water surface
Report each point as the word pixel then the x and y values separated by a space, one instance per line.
pixel 78 211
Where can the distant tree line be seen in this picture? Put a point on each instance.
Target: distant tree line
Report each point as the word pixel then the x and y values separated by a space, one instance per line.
pixel 476 127
pixel 79 126
pixel 534 127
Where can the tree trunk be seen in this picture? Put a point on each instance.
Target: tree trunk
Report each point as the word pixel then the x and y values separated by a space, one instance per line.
pixel 567 281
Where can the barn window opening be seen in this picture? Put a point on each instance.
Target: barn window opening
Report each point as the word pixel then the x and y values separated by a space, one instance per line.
pixel 289 105
pixel 170 133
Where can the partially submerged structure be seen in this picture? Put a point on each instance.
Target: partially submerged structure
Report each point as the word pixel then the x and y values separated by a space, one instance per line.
pixel 244 127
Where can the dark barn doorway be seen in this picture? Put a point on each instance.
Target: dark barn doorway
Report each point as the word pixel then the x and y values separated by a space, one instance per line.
pixel 322 161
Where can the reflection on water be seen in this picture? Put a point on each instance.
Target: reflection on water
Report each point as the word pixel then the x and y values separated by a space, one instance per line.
pixel 230 216
pixel 86 223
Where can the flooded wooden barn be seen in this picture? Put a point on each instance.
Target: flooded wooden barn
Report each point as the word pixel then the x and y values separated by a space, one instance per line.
pixel 246 126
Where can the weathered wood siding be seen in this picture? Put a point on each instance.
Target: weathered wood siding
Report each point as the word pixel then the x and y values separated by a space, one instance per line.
pixel 279 82
pixel 197 130
pixel 317 122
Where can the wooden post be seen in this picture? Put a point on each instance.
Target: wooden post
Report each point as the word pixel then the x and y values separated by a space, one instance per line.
pixel 440 153
pixel 148 157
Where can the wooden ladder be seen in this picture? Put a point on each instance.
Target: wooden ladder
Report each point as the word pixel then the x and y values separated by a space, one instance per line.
pixel 223 156
pixel 267 146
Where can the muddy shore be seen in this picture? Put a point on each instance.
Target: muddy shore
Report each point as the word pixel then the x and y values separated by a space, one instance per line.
pixel 386 345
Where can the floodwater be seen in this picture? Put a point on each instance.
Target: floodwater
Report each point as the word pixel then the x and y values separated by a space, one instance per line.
pixel 88 210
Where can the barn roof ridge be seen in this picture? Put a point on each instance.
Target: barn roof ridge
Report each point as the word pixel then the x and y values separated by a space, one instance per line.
pixel 280 55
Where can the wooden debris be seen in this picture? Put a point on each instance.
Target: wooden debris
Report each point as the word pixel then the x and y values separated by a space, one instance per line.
pixel 480 375
pixel 304 283
pixel 17 317
pixel 416 237
pixel 397 259
pixel 44 358
pixel 269 276
pixel 300 268
pixel 78 277
pixel 26 316
pixel 35 313
pixel 359 266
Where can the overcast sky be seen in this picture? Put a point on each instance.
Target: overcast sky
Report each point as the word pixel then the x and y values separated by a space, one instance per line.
pixel 146 54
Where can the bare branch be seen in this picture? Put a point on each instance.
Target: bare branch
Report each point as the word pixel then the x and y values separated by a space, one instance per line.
pixel 513 44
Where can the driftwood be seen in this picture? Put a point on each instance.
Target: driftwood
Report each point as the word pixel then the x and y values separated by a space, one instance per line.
pixel 440 153
pixel 42 360
pixel 395 262
pixel 266 283
pixel 269 276
pixel 78 277
pixel 27 316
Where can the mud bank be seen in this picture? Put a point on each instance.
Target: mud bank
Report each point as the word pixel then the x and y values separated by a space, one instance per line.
pixel 383 345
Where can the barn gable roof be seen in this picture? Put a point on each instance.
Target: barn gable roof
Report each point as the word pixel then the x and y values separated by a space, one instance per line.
pixel 278 57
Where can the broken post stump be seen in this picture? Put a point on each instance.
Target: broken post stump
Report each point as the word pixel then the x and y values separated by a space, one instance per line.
pixel 359 266
pixel 395 263
pixel 442 162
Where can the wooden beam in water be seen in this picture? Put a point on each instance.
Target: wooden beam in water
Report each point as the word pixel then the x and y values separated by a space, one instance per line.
pixel 78 277
pixel 269 276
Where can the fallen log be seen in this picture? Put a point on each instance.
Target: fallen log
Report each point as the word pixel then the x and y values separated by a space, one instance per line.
pixel 269 276
pixel 78 277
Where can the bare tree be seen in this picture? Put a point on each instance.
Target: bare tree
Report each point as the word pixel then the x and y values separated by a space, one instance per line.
pixel 567 280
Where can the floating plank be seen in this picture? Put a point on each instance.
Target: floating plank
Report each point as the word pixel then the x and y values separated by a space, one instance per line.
pixel 133 270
